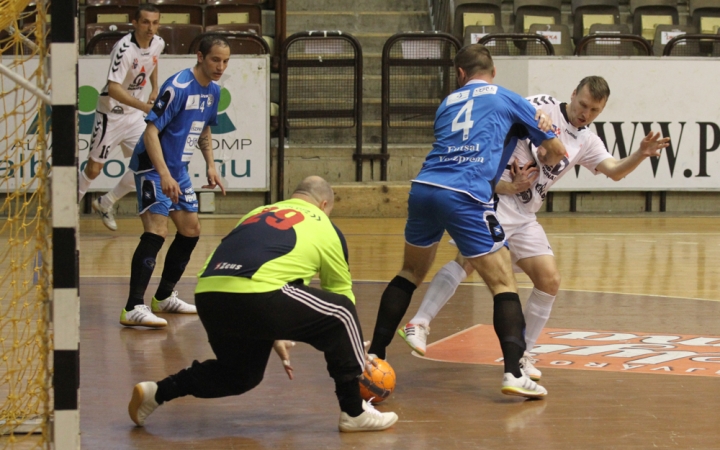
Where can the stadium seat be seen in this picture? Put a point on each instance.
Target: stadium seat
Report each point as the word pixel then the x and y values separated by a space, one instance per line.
pixel 475 32
pixel 473 13
pixel 558 35
pixel 517 44
pixel 232 27
pixel 663 34
pixel 109 14
pixel 705 15
pixel 103 43
pixel 178 37
pixel 600 28
pixel 648 14
pixel 529 12
pixel 235 2
pixel 134 3
pixel 241 42
pixel 225 14
pixel 612 43
pixel 589 12
pixel 179 11
pixel 93 29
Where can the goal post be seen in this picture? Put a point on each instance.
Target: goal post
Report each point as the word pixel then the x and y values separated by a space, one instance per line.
pixel 39 258
pixel 65 255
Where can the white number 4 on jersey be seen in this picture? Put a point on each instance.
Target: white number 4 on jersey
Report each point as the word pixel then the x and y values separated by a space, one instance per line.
pixel 467 123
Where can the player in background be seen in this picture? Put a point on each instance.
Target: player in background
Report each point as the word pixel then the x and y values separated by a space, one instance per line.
pixel 254 291
pixel 476 129
pixel 522 190
pixel 120 110
pixel 178 123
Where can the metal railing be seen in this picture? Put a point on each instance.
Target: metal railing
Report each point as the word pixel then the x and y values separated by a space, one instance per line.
pixel 693 45
pixel 320 87
pixel 613 45
pixel 417 74
pixel 517 44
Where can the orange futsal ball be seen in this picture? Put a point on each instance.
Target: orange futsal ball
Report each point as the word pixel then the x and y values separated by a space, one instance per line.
pixel 378 383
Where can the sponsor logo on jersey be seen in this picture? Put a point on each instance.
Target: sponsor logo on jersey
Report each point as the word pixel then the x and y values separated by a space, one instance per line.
pixel 484 90
pixel 155 60
pixel 135 63
pixel 457 97
pixel 197 126
pixel 210 100
pixel 193 102
pixel 570 133
pixel 227 266
pixel 118 110
pixel 139 81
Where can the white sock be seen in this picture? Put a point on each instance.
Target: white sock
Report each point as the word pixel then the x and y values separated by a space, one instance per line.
pixel 83 184
pixel 537 313
pixel 442 287
pixel 124 186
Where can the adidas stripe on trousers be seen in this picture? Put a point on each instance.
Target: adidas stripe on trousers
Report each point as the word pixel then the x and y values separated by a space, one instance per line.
pixel 241 329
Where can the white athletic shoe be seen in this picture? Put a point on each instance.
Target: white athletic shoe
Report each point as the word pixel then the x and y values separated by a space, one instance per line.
pixel 172 305
pixel 141 316
pixel 370 420
pixel 415 335
pixel 523 386
pixel 107 214
pixel 526 364
pixel 142 403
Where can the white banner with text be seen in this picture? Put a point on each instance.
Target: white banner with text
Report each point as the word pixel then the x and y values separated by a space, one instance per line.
pixel 241 140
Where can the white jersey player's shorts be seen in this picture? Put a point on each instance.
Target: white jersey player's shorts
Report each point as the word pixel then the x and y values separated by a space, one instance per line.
pixel 111 130
pixel 525 236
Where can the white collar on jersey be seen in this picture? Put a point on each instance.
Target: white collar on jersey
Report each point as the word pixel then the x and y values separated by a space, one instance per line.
pixel 476 82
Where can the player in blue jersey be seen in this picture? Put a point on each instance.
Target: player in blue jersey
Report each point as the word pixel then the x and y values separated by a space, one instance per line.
pixel 178 123
pixel 476 129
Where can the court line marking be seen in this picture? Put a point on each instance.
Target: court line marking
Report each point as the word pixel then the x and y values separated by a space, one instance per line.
pixel 525 285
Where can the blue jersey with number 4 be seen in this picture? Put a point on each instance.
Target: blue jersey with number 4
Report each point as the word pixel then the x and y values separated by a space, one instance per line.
pixel 181 112
pixel 476 129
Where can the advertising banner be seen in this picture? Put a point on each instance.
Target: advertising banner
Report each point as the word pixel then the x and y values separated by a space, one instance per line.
pixel 241 140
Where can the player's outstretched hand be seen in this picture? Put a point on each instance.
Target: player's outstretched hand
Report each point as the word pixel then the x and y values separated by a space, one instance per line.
pixel 652 144
pixel 282 348
pixel 214 180
pixel 170 187
pixel 544 121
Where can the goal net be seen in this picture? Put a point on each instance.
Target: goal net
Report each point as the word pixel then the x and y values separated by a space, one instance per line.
pixel 25 227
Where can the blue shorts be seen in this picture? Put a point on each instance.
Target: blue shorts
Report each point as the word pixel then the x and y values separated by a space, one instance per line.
pixel 472 225
pixel 151 198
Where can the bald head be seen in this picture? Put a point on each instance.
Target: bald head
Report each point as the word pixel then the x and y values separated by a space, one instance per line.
pixel 316 190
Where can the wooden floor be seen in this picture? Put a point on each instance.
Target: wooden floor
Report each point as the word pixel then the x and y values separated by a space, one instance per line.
pixel 648 274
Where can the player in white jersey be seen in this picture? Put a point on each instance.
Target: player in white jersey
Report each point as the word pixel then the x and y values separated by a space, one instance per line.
pixel 120 111
pixel 521 193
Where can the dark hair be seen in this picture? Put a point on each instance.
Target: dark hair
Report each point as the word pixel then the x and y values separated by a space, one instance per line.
pixel 474 59
pixel 211 40
pixel 145 7
pixel 597 87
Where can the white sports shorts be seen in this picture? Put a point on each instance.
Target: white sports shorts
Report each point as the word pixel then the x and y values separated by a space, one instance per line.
pixel 111 130
pixel 525 236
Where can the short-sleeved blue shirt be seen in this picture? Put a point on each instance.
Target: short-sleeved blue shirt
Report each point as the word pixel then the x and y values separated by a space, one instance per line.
pixel 476 129
pixel 181 112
